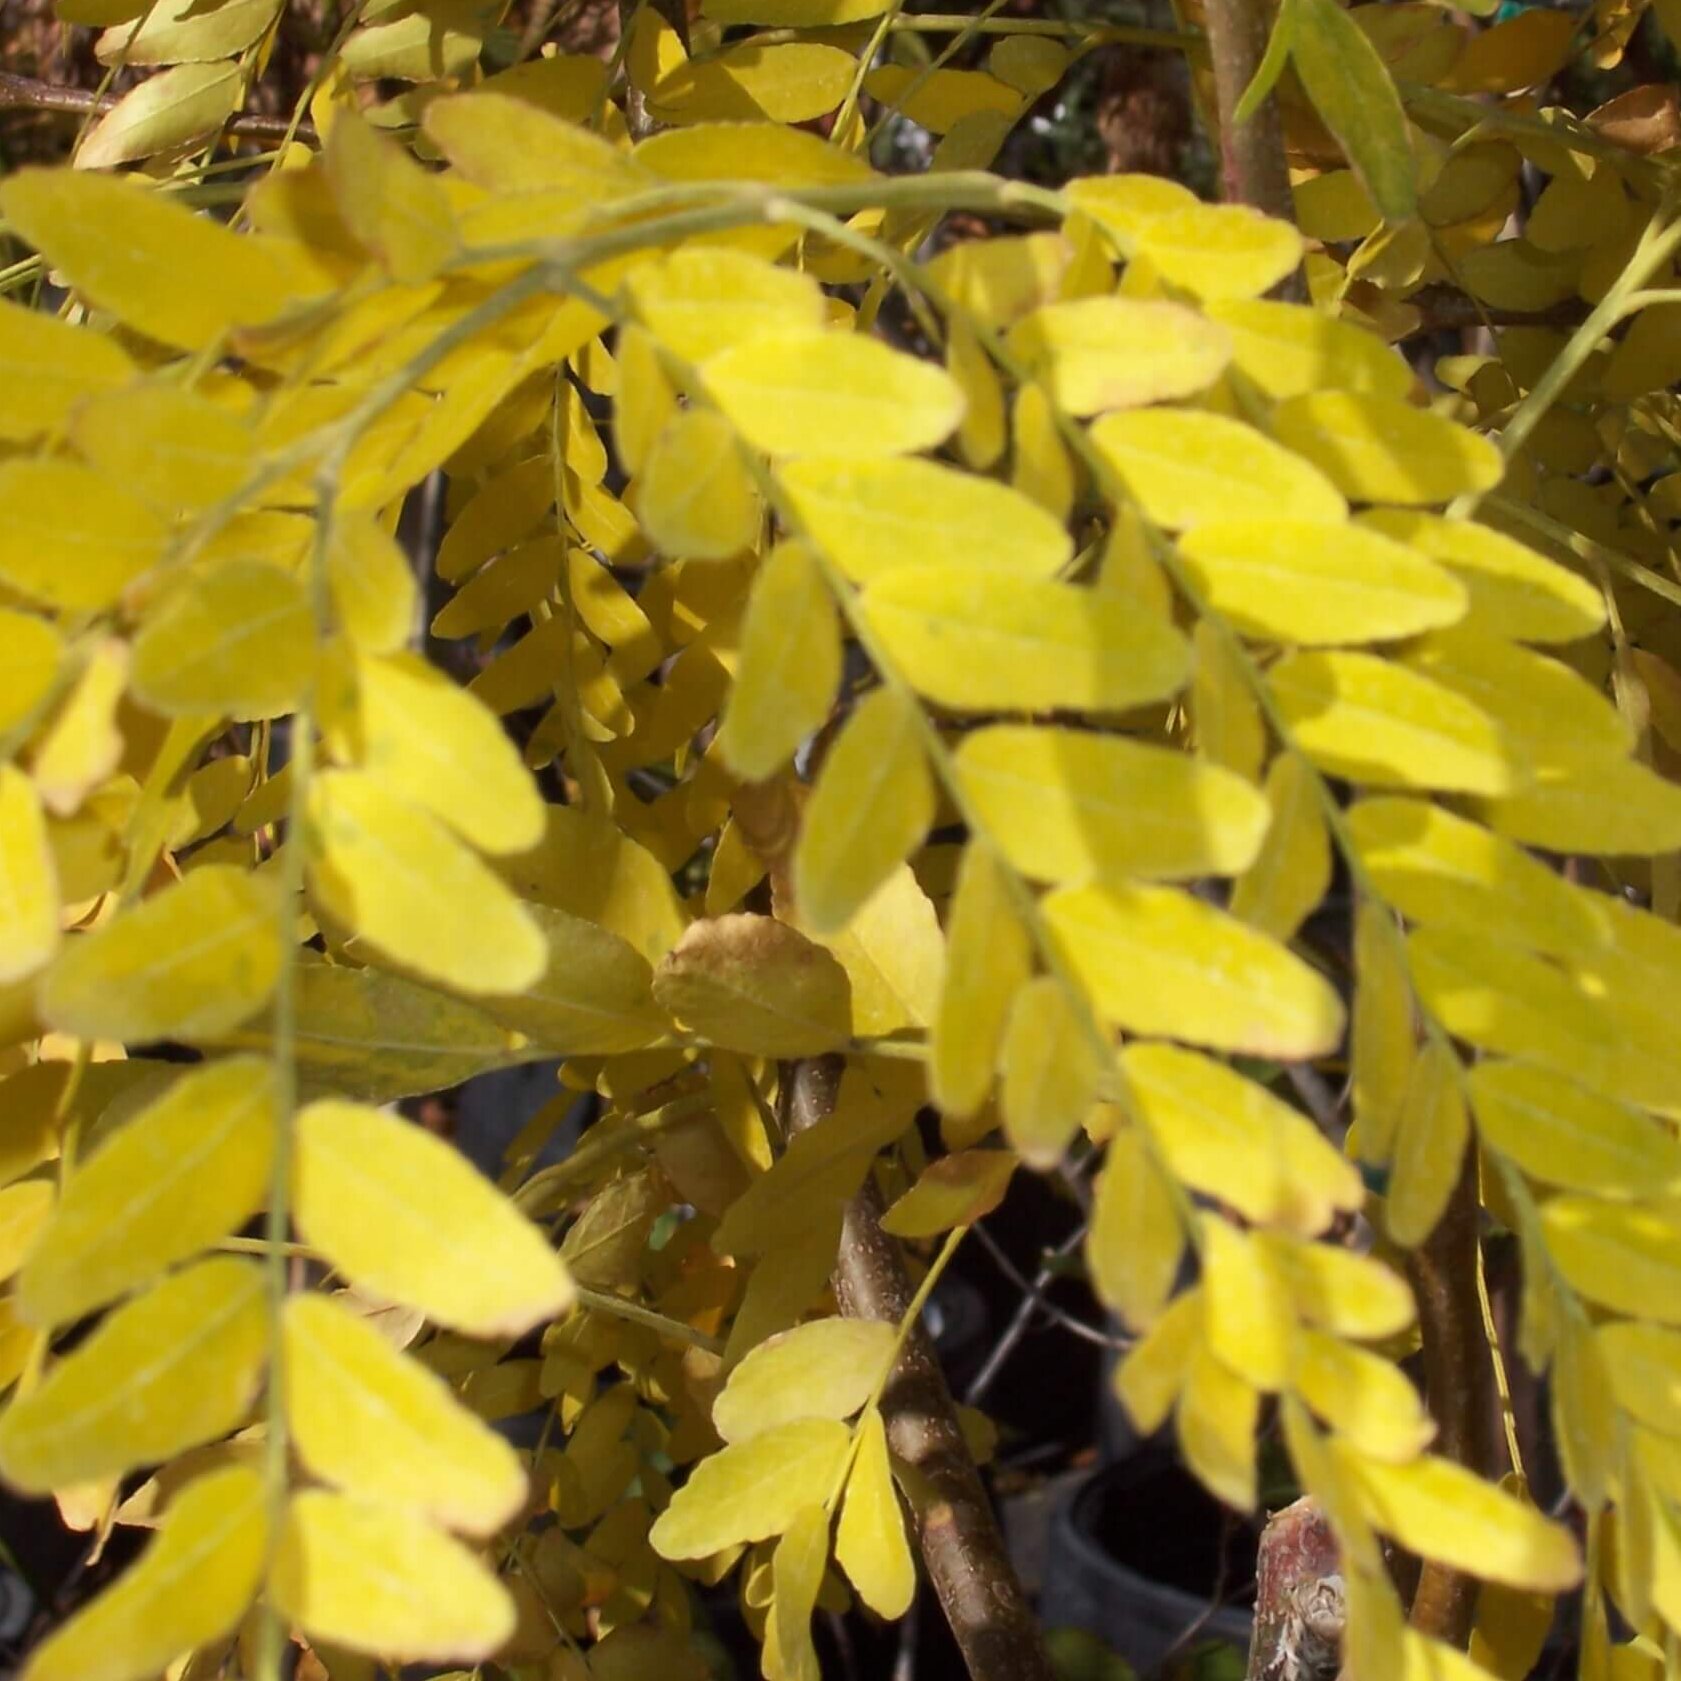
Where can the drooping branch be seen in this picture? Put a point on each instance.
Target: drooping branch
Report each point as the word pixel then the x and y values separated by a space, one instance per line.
pixel 26 93
pixel 961 1544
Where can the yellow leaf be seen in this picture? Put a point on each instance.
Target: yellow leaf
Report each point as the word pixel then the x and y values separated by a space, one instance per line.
pixel 956 1190
pixel 703 299
pixel 1434 867
pixel 193 960
pixel 1367 719
pixel 372 583
pixel 72 538
pixel 1227 719
pixel 1644 1366
pixel 797 1567
pixel 794 14
pixel 1624 1256
pixel 983 433
pixel 1613 807
pixel 1216 1418
pixel 1135 1242
pixel 238 640
pixel 1564 1134
pixel 696 501
pixel 180 450
pixel 1368 1400
pixel 174 276
pixel 1040 467
pixel 1429 1149
pixel 870 1543
pixel 1247 1317
pixel 1152 1372
pixel 1523 51
pixel 1218 251
pixel 177 31
pixel 750 152
pixel 397 877
pixel 752 984
pixel 1184 466
pixel 49 367
pixel 84 742
pixel 752 1489
pixel 873 803
pixel 1346 1294
pixel 24 1210
pixel 1514 591
pixel 175 108
pixel 1103 353
pixel 428 741
pixel 942 100
pixel 1050 1073
pixel 189 1588
pixel 789 665
pixel 874 517
pixel 1381 1037
pixel 405 1216
pixel 372 1579
pixel 1288 349
pixel 1158 961
pixel 377 1424
pixel 832 394
pixel 30 652
pixel 29 905
pixel 397 210
pixel 1511 1631
pixel 189 1169
pixel 1443 1511
pixel 513 146
pixel 1291 872
pixel 987 641
pixel 1068 805
pixel 1381 449
pixel 1300 582
pixel 164 1372
pixel 646 398
pixel 789 83
pixel 826 1369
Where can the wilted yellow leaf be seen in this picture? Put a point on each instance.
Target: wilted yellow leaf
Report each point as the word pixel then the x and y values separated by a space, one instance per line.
pixel 826 1369
pixel 28 880
pixel 166 1371
pixel 1381 449
pixel 1136 1240
pixel 870 1544
pixel 190 1168
pixel 1051 1071
pixel 1429 1148
pixel 72 538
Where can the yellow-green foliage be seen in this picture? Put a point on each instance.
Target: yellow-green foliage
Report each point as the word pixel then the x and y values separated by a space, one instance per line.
pixel 1152 584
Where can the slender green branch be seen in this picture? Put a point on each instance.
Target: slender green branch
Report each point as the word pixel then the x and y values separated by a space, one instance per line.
pixel 619 1307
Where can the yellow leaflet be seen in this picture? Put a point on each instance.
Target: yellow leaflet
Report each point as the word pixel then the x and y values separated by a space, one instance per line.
pixel 512 145
pixel 646 398
pixel 1184 466
pixel 1644 1366
pixel 1304 582
pixel 503 589
pixel 1429 1149
pixel 1563 1134
pixel 1372 721
pixel 189 1588
pixel 1381 449
pixel 1216 1418
pixel 750 152
pixel 1443 1511
pixel 752 1489
pixel 1434 867
pixel 1288 349
pixel 1103 353
pixel 407 1217
pixel 48 367
pixel 794 14
pixel 1136 1240
pixel 429 741
pixel 827 1369
pixel 1227 720
pixel 1218 250
pixel 984 432
pixel 397 210
pixel 1514 591
pixel 171 110
pixel 24 1210
pixel 695 499
pixel 1345 1294
pixel 1625 1256
pixel 177 449
pixel 988 959
pixel 1614 807
pixel 942 100
pixel 1123 205
pixel 372 1579
pixel 832 394
pixel 1247 1312
pixel 1000 280
pixel 176 32
pixel 870 1544
pixel 1152 1372
pixel 1511 1631
pixel 955 1190
pixel 1292 871
pixel 501 513
pixel 238 640
pixel 72 538
pixel 371 582
pixel 1381 1038
pixel 790 83
pixel 703 299
pixel 873 803
pixel 989 641
pixel 164 1372
pixel 789 665
pixel 191 961
pixel 30 651
pixel 1158 961
pixel 84 742
pixel 396 877
pixel 797 1567
pixel 1068 805
pixel 874 517
pixel 1367 1400
pixel 28 879
pixel 379 1425
pixel 190 1168
pixel 1032 64
pixel 174 276
pixel 1050 1073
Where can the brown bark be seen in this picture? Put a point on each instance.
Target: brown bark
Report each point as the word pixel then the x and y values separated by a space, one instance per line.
pixel 25 93
pixel 962 1546
pixel 1252 166
pixel 1299 1605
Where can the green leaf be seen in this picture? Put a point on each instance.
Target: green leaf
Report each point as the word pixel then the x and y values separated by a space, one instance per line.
pixel 1271 67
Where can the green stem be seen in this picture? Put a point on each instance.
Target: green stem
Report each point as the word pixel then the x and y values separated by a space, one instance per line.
pixel 618 1307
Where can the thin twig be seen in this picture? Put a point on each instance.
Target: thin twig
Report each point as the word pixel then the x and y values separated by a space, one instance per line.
pixel 26 93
